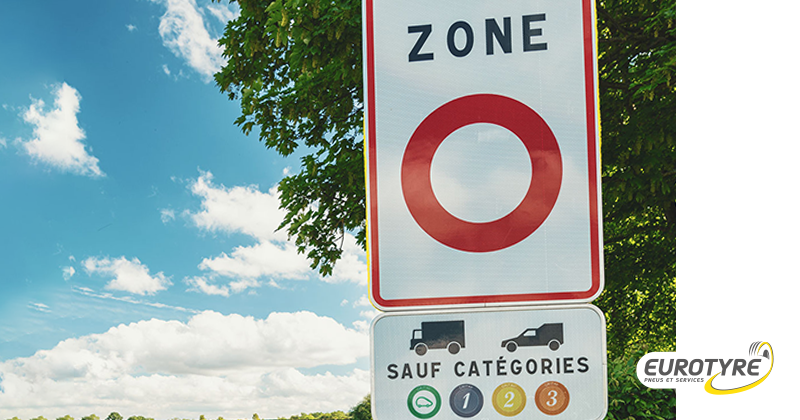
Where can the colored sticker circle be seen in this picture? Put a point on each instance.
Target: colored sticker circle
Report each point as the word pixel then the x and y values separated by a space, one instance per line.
pixel 466 400
pixel 509 399
pixel 552 398
pixel 424 402
pixel 545 185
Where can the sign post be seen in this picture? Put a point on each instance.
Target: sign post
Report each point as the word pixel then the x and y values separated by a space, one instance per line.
pixel 483 193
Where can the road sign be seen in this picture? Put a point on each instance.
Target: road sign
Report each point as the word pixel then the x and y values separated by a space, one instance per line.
pixel 482 153
pixel 492 364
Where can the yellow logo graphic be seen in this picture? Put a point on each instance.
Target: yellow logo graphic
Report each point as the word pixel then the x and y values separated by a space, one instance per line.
pixel 754 348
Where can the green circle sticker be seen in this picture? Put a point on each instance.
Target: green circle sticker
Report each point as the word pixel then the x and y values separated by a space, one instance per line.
pixel 424 402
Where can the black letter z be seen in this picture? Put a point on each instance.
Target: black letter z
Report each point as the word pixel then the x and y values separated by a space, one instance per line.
pixel 425 32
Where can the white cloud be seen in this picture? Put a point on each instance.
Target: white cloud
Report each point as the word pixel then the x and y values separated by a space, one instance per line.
pixel 214 364
pixel 41 307
pixel 370 314
pixel 127 299
pixel 223 12
pixel 184 31
pixel 128 276
pixel 351 267
pixel 362 301
pixel 249 211
pixel 57 138
pixel 264 259
pixel 67 272
pixel 201 284
pixel 3 143
pixel 167 215
pixel 240 209
pixel 131 27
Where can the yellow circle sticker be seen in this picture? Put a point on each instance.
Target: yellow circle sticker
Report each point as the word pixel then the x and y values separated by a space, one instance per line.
pixel 552 398
pixel 509 399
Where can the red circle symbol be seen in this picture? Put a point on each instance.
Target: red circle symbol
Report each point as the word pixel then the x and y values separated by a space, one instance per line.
pixel 510 229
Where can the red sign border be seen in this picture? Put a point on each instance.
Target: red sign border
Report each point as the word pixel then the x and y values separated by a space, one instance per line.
pixel 589 58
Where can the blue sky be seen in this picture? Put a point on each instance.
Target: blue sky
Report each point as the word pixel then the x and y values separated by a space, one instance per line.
pixel 137 227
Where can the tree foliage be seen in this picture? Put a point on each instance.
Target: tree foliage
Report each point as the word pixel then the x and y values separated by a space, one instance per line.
pixel 628 399
pixel 295 68
pixel 637 103
pixel 362 410
pixel 336 415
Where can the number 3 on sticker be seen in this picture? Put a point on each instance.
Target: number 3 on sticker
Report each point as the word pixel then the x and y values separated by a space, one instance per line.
pixel 552 398
pixel 509 399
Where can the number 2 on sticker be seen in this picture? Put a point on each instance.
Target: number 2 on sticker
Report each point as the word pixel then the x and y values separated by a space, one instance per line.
pixel 510 397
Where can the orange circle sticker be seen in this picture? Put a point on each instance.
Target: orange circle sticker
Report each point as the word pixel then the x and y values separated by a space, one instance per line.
pixel 552 398
pixel 509 399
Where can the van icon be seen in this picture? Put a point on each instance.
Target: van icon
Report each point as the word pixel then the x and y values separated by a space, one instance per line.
pixel 550 335
pixel 438 335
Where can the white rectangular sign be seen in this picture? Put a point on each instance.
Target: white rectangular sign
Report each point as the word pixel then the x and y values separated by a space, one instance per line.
pixel 482 152
pixel 490 364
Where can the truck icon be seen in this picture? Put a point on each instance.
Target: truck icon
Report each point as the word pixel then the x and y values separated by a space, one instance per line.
pixel 550 335
pixel 438 335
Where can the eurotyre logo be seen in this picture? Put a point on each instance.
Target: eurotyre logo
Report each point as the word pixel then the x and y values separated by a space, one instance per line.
pixel 719 375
